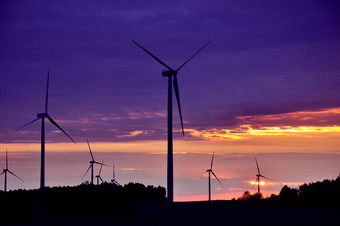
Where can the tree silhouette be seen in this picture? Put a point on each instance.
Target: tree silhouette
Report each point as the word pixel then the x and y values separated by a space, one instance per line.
pixel 109 201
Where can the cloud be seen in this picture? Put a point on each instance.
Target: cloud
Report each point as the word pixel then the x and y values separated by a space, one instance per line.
pixel 130 169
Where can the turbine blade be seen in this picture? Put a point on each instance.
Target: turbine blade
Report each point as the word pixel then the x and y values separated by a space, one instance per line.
pixel 31 122
pixel 2 173
pixel 114 181
pixel 99 163
pixel 257 165
pixel 192 56
pixel 15 175
pixel 6 160
pixel 266 178
pixel 204 172
pixel 48 80
pixel 101 179
pixel 113 172
pixel 178 101
pixel 101 166
pixel 216 177
pixel 161 62
pixel 54 123
pixel 88 143
pixel 212 160
pixel 86 171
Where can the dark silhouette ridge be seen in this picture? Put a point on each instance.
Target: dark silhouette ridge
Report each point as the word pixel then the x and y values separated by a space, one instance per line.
pixel 107 201
pixel 320 195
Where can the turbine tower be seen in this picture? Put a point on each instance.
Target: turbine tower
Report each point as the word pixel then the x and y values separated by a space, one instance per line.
pixel 171 73
pixel 210 171
pixel 258 177
pixel 100 171
pixel 5 171
pixel 113 181
pixel 92 162
pixel 42 116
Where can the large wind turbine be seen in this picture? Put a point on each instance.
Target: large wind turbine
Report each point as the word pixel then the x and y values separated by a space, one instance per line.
pixel 171 73
pixel 5 171
pixel 92 162
pixel 42 116
pixel 258 177
pixel 113 181
pixel 212 172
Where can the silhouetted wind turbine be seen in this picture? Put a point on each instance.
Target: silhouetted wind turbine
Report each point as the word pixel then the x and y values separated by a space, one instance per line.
pixel 5 171
pixel 258 177
pixel 113 181
pixel 92 162
pixel 212 172
pixel 171 73
pixel 100 171
pixel 42 116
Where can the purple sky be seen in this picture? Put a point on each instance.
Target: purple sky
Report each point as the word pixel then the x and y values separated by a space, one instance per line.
pixel 265 58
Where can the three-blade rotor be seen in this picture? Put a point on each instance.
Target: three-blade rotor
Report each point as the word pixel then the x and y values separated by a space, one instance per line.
pixel 173 72
pixel 211 170
pixel 45 115
pixel 7 170
pixel 92 162
pixel 259 173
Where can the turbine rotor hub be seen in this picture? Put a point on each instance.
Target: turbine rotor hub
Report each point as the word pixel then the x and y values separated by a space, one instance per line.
pixel 169 73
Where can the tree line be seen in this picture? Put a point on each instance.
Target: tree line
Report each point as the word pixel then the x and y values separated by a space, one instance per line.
pixel 322 194
pixel 109 201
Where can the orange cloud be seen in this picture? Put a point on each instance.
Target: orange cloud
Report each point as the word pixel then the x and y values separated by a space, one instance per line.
pixel 308 124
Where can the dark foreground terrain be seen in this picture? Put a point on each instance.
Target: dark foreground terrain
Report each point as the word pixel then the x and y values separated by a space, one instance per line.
pixel 202 213
pixel 135 204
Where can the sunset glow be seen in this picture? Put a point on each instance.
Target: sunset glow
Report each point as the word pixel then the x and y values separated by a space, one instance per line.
pixel 256 182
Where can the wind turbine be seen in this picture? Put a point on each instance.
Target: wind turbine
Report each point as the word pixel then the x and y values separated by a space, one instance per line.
pixel 100 171
pixel 258 177
pixel 212 172
pixel 171 73
pixel 42 116
pixel 5 171
pixel 92 162
pixel 113 181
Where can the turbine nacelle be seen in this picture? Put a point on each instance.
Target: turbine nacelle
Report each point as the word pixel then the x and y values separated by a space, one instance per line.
pixel 167 73
pixel 41 114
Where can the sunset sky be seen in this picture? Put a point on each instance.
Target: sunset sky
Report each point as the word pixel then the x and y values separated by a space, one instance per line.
pixel 267 86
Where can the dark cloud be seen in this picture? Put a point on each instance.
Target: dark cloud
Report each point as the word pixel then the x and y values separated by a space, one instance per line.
pixel 265 58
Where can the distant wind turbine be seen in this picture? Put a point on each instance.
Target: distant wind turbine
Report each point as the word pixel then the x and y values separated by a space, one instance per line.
pixel 258 177
pixel 100 171
pixel 42 116
pixel 113 181
pixel 212 172
pixel 92 162
pixel 5 171
pixel 171 73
